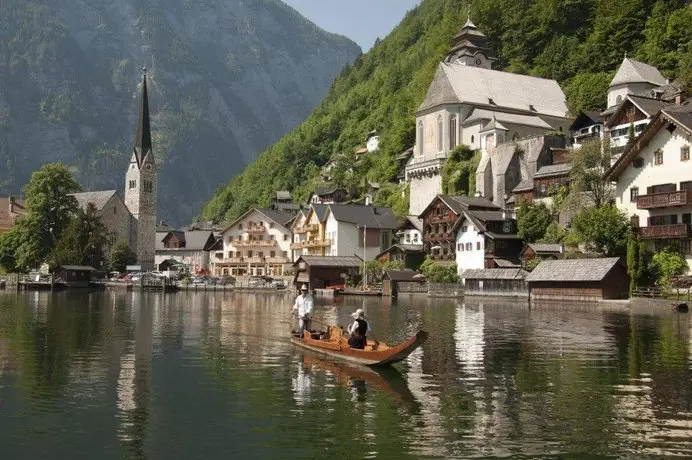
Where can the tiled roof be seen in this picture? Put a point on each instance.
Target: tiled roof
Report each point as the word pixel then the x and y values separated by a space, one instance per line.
pixel 321 191
pixel 365 216
pixel 493 274
pixel 333 261
pixel 7 219
pixel 460 203
pixel 457 83
pixel 416 222
pixel 546 247
pixel 84 268
pixel 400 275
pixel 648 105
pixel 524 186
pixel 632 71
pixel 682 114
pixel 553 170
pixel 99 198
pixel 497 118
pixel 573 270
pixel 196 240
pixel 281 218
pixel 283 195
pixel 406 248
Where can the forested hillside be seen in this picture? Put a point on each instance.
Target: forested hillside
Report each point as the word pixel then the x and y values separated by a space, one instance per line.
pixel 578 42
pixel 227 79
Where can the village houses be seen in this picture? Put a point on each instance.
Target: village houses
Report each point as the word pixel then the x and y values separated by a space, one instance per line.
pixel 191 248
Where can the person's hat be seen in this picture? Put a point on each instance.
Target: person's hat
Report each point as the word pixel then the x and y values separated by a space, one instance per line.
pixel 304 287
pixel 358 313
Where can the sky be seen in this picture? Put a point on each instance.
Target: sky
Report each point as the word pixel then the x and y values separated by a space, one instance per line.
pixel 360 20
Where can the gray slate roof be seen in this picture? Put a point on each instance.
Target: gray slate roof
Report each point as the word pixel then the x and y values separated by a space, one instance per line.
pixel 100 198
pixel 648 105
pixel 546 247
pixel 457 83
pixel 283 195
pixel 78 268
pixel 281 218
pixel 400 275
pixel 573 270
pixel 320 211
pixel 368 216
pixel 497 118
pixel 195 240
pixel 682 114
pixel 461 203
pixel 632 71
pixel 494 274
pixel 553 170
pixel 321 191
pixel 524 186
pixel 333 261
pixel 416 222
pixel 492 124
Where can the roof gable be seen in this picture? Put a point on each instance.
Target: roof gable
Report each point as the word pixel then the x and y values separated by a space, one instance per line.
pixel 99 198
pixel 364 215
pixel 573 270
pixel 631 71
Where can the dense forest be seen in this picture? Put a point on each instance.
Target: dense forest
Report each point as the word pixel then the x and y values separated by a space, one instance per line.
pixel 226 79
pixel 580 43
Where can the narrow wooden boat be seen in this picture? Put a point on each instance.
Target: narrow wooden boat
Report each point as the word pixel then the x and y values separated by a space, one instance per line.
pixel 334 343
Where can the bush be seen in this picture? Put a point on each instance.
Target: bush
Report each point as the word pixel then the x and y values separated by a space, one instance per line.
pixel 439 273
pixel 667 264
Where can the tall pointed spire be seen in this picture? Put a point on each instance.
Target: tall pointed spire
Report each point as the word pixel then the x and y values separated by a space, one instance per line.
pixel 143 135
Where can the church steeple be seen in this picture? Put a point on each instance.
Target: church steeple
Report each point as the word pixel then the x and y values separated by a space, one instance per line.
pixel 142 145
pixel 470 47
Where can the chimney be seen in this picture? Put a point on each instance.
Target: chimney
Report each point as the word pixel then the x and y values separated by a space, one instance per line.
pixel 368 200
pixel 562 248
pixel 679 98
pixel 667 81
pixel 479 195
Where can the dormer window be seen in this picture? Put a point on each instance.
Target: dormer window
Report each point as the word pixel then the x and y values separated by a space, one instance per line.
pixel 532 108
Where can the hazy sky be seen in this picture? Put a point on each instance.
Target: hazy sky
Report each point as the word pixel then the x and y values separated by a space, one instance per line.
pixel 360 20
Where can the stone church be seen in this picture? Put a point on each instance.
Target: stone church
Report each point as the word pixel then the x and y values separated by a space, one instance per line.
pixel 133 219
pixel 470 103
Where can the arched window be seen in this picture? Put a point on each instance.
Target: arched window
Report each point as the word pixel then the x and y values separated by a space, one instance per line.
pixel 452 132
pixel 472 138
pixel 420 137
pixel 440 141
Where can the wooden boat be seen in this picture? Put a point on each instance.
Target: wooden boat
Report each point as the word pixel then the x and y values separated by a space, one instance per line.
pixel 334 343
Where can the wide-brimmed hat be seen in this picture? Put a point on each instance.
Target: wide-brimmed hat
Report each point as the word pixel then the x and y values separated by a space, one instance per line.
pixel 304 287
pixel 358 313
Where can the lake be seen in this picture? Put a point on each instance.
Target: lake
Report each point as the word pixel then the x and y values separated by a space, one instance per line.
pixel 87 375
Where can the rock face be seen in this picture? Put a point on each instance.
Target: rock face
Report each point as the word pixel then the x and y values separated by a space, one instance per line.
pixel 226 79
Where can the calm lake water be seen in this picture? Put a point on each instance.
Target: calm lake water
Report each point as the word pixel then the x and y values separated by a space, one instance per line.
pixel 106 375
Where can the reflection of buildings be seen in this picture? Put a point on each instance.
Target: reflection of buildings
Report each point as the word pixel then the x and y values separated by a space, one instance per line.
pixel 301 385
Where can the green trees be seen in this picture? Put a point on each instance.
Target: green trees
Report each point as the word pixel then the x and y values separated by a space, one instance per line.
pixel 83 241
pixel 121 256
pixel 589 165
pixel 533 220
pixel 459 173
pixel 603 229
pixel 439 273
pixel 668 263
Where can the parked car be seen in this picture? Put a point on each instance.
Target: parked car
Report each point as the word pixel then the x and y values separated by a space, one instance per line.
pixel 256 282
pixel 278 284
pixel 226 280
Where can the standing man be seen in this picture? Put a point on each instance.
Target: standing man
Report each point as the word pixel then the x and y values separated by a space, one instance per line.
pixel 303 308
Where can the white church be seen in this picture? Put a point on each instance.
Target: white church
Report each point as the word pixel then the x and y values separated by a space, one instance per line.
pixel 470 103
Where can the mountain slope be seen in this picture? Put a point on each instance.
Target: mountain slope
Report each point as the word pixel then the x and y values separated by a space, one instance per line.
pixel 227 78
pixel 578 42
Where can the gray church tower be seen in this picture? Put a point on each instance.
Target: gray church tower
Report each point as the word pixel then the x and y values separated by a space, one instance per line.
pixel 140 187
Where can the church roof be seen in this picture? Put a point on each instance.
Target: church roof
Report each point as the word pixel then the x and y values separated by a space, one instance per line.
pixel 142 143
pixel 99 198
pixel 493 124
pixel 632 71
pixel 502 117
pixel 458 83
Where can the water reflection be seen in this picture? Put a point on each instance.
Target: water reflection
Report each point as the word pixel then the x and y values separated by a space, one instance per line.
pixel 139 375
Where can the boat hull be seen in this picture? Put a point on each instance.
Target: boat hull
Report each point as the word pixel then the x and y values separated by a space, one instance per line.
pixel 340 350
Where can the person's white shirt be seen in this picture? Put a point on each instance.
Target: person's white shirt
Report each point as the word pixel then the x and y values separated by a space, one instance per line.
pixel 354 325
pixel 303 305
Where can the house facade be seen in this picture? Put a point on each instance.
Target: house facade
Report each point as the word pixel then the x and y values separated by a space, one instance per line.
pixel 358 230
pixel 653 182
pixel 114 215
pixel 192 248
pixel 309 233
pixel 468 103
pixel 256 244
pixel 11 208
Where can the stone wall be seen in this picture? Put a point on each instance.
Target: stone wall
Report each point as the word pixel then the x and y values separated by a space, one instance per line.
pixel 411 288
pixel 445 290
pixel 423 191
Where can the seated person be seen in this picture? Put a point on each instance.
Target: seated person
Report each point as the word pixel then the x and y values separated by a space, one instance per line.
pixel 358 330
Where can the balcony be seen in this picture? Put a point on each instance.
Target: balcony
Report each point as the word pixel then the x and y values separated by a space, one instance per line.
pixel 313 228
pixel 441 219
pixel 256 229
pixel 665 231
pixel 253 243
pixel 254 260
pixel 439 236
pixel 233 260
pixel 664 200
pixel 278 260
pixel 311 244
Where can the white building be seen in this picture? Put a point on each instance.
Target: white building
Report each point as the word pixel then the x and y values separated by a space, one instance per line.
pixel 372 141
pixel 410 231
pixel 256 244
pixel 358 230
pixel 469 103
pixel 653 180
pixel 191 248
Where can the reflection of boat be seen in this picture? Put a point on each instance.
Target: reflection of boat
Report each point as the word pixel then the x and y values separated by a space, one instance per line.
pixel 335 344
pixel 385 379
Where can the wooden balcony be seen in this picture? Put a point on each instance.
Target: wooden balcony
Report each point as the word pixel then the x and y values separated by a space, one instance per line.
pixel 439 236
pixel 253 243
pixel 313 228
pixel 254 260
pixel 233 260
pixel 311 244
pixel 665 231
pixel 665 199
pixel 278 260
pixel 256 229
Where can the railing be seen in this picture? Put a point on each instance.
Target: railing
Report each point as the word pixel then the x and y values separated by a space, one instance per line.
pixel 311 244
pixel 253 243
pixel 439 236
pixel 254 260
pixel 232 260
pixel 307 228
pixel 278 260
pixel 256 229
pixel 664 199
pixel 441 220
pixel 665 231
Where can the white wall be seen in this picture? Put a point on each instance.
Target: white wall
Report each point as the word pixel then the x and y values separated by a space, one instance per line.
pixel 411 236
pixel 280 234
pixel 422 192
pixel 624 90
pixel 373 143
pixel 475 258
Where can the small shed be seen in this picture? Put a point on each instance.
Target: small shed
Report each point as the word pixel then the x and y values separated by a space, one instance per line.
pixel 75 275
pixel 330 272
pixel 579 279
pixel 411 255
pixel 392 278
pixel 542 250
pixel 500 282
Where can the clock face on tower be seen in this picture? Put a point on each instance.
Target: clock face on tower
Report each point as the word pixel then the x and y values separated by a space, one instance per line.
pixel 478 61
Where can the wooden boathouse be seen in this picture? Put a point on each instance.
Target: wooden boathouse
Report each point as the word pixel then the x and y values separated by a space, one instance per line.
pixel 496 282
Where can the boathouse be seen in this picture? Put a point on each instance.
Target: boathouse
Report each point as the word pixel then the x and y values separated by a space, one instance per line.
pixel 392 279
pixel 579 279
pixel 75 275
pixel 500 282
pixel 325 272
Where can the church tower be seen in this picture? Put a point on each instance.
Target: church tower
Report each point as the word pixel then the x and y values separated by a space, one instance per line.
pixel 470 47
pixel 140 187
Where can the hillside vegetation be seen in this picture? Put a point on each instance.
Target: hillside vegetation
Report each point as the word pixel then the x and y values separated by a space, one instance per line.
pixel 580 43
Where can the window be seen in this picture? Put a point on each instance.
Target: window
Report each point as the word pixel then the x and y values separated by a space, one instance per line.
pixel 249 253
pixel 472 138
pixel 452 132
pixel 478 245
pixel 285 253
pixel 634 193
pixel 240 226
pixel 464 228
pixel 420 137
pixel 440 146
pixel 460 247
pixel 272 254
pixel 115 210
pixel 658 157
pixel 685 153
pixel 285 237
pixel 687 218
pixel 469 246
pixel 618 99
